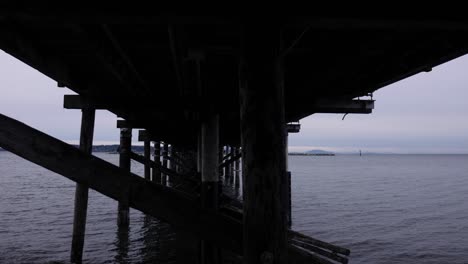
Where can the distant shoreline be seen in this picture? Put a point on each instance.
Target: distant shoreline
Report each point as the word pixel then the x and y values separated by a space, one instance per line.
pixel 310 154
pixel 113 149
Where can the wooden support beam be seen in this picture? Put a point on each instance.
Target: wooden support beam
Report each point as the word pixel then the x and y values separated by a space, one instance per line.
pixel 331 106
pixel 143 135
pixel 220 161
pixel 125 58
pixel 209 162
pixel 231 160
pixel 209 180
pixel 147 153
pixel 293 235
pixel 344 107
pixel 236 159
pixel 230 166
pixel 123 219
pixel 157 160
pixel 125 124
pixel 159 167
pixel 263 136
pixel 176 58
pixel 293 127
pixel 172 158
pixel 81 192
pixel 73 101
pixel 164 203
pixel 227 162
pixel 165 154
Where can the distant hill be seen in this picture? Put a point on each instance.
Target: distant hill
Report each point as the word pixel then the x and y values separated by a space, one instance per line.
pixel 109 148
pixel 314 152
pixel 113 148
pixel 319 151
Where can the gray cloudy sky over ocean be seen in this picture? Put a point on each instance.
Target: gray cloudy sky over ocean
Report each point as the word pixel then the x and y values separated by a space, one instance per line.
pixel 426 113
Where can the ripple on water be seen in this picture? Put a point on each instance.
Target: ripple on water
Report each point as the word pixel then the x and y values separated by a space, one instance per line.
pixel 386 209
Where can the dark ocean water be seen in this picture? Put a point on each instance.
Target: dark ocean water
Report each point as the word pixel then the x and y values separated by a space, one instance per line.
pixel 385 208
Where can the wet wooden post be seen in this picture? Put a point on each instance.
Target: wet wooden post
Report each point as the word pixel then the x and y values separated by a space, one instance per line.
pixel 232 153
pixel 237 169
pixel 210 179
pixel 199 147
pixel 164 154
pixel 227 172
pixel 147 154
pixel 220 160
pixel 81 192
pixel 264 164
pixel 157 158
pixel 288 202
pixel 172 153
pixel 124 163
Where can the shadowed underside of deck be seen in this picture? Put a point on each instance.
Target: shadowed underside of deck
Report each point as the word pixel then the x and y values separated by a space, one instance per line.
pixel 165 73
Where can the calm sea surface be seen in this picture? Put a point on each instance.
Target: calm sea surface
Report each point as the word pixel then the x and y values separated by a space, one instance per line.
pixel 385 208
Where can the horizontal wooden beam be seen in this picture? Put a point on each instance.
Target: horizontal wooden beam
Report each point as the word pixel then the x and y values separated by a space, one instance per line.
pixel 72 101
pixel 293 128
pixel 399 22
pixel 343 107
pixel 179 209
pixel 329 106
pixel 125 124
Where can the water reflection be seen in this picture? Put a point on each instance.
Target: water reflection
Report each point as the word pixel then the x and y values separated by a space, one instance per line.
pixel 122 243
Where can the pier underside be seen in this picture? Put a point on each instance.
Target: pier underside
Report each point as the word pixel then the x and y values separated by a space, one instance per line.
pixel 223 88
pixel 164 73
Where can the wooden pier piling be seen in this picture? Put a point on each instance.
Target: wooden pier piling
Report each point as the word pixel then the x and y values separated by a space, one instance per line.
pixel 210 180
pixel 227 171
pixel 172 157
pixel 263 145
pixel 124 163
pixel 157 158
pixel 237 168
pixel 147 154
pixel 165 154
pixel 81 192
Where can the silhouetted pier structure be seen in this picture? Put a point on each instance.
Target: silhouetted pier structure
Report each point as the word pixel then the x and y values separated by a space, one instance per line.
pixel 208 91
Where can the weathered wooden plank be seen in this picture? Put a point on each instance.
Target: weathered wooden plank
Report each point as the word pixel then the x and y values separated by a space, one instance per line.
pixel 298 255
pixel 320 251
pixel 293 235
pixel 81 191
pixel 178 209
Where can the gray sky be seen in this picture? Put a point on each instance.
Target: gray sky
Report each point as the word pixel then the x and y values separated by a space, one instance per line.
pixel 422 114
